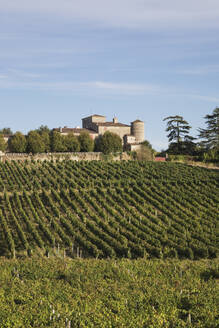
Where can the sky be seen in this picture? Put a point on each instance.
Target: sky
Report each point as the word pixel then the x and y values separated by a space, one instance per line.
pixel 62 60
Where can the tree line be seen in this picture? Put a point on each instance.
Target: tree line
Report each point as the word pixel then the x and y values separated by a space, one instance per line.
pixel 45 140
pixel 182 143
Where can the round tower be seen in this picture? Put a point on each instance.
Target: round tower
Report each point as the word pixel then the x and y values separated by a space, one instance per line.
pixel 137 130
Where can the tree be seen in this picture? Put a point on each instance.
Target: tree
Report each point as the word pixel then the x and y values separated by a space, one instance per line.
pixel 3 144
pixel 147 144
pixel 178 129
pixel 35 143
pixel 109 143
pixel 71 143
pixel 17 143
pixel 210 135
pixel 42 129
pixel 57 142
pixel 189 146
pixel 145 153
pixel 86 142
pixel 6 131
pixel 46 140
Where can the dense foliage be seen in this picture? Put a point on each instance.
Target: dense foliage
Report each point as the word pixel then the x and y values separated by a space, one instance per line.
pixel 178 135
pixel 181 143
pixel 177 128
pixel 35 143
pixel 210 135
pixel 109 143
pixel 18 143
pixel 6 131
pixel 85 142
pixel 109 209
pixel 145 152
pixel 108 293
pixel 71 143
pixel 57 142
pixel 43 140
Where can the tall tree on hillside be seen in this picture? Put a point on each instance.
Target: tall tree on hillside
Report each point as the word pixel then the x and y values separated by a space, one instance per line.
pixel 109 143
pixel 71 143
pixel 210 135
pixel 85 141
pixel 18 143
pixel 46 140
pixel 44 131
pixel 35 143
pixel 178 130
pixel 57 142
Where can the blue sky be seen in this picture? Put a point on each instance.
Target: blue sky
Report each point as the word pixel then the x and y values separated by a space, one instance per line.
pixel 61 60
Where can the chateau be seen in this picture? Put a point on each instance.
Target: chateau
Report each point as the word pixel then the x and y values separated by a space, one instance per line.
pixel 96 125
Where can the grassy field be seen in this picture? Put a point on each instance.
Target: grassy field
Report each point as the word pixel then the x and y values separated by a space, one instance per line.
pixel 42 292
pixel 108 209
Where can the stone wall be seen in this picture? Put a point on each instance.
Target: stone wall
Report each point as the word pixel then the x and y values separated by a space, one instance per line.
pixel 62 156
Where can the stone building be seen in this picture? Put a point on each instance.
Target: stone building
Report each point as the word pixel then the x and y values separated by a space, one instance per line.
pixel 99 125
pixel 76 131
pixel 96 125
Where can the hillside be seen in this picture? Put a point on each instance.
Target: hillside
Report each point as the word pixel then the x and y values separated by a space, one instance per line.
pixel 108 209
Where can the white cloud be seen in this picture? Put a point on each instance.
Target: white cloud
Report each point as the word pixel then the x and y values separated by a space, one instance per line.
pixel 125 13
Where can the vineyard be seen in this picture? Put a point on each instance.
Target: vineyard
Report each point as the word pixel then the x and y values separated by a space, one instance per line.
pixel 108 209
pixel 58 293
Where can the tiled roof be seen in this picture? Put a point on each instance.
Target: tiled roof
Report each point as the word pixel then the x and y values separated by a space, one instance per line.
pixel 74 130
pixel 93 116
pixel 111 124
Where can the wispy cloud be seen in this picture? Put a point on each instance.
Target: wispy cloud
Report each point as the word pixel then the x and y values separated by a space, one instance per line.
pixel 32 51
pixel 123 88
pixel 31 81
pixel 23 74
pixel 205 98
pixel 90 86
pixel 127 13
